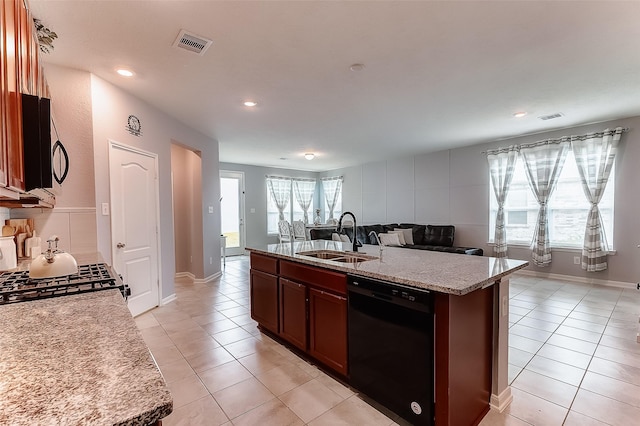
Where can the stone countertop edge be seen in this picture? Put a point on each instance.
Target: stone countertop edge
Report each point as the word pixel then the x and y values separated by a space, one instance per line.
pixel 452 273
pixel 77 360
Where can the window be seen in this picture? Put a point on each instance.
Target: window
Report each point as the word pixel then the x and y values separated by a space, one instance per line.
pixel 567 210
pixel 292 211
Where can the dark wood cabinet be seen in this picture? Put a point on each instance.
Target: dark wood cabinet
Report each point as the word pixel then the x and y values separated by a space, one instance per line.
pixel 293 313
pixel 311 307
pixel 264 299
pixel 328 329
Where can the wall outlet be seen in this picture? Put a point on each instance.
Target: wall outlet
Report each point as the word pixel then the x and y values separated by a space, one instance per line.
pixel 253 210
pixel 211 261
pixel 576 260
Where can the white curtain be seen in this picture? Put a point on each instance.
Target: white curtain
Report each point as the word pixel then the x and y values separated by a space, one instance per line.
pixel 332 188
pixel 595 155
pixel 280 190
pixel 543 163
pixel 501 165
pixel 303 190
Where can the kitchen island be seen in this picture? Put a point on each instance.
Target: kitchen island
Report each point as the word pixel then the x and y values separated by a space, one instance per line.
pixel 77 360
pixel 470 307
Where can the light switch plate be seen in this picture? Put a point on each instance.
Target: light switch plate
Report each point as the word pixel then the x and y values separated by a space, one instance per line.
pixel 105 209
pixel 210 209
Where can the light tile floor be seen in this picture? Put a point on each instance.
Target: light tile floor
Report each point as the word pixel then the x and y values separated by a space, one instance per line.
pixel 574 360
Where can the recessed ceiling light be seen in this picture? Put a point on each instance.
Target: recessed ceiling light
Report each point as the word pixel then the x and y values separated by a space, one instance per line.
pixel 356 67
pixel 309 156
pixel 124 72
pixel 249 103
pixel 519 114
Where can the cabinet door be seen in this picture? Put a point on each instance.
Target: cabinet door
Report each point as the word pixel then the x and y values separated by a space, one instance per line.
pixel 293 313
pixel 264 299
pixel 328 329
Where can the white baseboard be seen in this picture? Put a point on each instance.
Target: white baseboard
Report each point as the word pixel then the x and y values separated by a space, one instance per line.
pixel 168 299
pixel 502 401
pixel 208 279
pixel 579 280
pixel 180 275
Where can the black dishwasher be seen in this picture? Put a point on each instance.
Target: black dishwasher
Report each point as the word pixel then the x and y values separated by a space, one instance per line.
pixel 391 340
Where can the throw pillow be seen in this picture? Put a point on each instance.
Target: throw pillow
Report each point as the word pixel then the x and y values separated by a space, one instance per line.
pixel 400 233
pixel 408 235
pixel 390 240
pixel 340 237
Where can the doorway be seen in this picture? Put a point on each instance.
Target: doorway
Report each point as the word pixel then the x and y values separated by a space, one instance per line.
pixel 134 223
pixel 232 211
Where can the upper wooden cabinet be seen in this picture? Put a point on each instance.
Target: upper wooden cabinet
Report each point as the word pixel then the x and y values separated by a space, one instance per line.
pixel 21 72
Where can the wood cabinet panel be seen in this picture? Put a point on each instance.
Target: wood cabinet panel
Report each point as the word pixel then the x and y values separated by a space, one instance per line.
pixel 315 277
pixel 328 329
pixel 4 98
pixel 264 299
pixel 264 263
pixel 293 313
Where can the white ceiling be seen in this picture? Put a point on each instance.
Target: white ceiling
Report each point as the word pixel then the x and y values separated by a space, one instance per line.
pixel 437 74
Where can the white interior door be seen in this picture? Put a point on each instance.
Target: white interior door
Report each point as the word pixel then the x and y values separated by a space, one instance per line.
pixel 134 223
pixel 232 211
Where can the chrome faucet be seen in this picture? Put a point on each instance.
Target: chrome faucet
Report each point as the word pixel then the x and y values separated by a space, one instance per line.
pixel 356 243
pixel 379 242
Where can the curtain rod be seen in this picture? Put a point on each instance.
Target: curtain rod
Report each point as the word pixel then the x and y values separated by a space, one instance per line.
pixel 291 178
pixel 333 178
pixel 560 139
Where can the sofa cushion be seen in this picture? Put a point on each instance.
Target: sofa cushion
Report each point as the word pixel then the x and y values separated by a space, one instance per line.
pixel 389 227
pixel 438 235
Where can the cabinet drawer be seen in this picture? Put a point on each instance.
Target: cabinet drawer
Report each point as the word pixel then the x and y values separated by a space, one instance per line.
pixel 316 277
pixel 264 263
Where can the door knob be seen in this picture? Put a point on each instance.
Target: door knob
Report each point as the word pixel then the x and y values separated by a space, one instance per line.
pixel 120 245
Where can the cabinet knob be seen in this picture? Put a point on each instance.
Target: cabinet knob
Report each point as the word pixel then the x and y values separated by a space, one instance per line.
pixel 120 245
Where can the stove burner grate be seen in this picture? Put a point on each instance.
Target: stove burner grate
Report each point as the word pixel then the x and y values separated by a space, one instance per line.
pixel 18 287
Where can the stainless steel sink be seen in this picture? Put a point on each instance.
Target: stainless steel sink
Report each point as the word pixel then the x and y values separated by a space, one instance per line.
pixel 337 256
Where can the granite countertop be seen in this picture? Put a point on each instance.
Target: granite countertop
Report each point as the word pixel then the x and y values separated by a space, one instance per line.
pixel 451 273
pixel 77 360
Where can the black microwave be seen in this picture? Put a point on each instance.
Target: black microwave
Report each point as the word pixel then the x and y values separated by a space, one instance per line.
pixel 36 133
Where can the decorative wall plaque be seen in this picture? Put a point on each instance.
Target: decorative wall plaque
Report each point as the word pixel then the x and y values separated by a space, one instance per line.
pixel 133 126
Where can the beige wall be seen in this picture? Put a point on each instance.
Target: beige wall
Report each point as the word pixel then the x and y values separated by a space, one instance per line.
pixel 187 216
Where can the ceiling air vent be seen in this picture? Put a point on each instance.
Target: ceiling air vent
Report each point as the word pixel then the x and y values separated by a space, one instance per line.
pixel 550 116
pixel 192 43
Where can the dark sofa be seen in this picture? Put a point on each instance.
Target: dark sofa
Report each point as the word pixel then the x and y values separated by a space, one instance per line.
pixel 425 237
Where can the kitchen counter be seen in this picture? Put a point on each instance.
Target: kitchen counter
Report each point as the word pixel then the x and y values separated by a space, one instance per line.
pixel 455 274
pixel 77 360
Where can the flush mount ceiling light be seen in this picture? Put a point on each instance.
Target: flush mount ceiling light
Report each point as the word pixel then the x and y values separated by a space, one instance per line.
pixel 519 114
pixel 249 103
pixel 356 67
pixel 125 72
pixel 309 156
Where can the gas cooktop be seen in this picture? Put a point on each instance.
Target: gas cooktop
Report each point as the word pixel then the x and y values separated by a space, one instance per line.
pixel 18 287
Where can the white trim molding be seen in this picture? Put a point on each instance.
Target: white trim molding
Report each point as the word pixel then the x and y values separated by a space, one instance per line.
pixel 189 275
pixel 579 280
pixel 168 299
pixel 502 401
pixel 208 279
